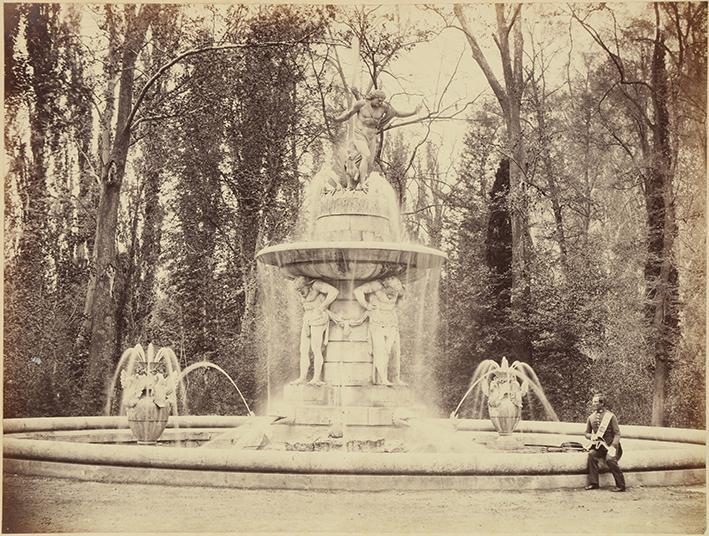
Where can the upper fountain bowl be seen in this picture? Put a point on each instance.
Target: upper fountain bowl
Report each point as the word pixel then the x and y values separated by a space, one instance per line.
pixel 341 261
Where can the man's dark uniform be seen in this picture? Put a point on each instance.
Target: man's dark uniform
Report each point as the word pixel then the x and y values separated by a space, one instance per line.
pixel 609 436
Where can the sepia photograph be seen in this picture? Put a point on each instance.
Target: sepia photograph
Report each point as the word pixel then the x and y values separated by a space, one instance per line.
pixel 353 268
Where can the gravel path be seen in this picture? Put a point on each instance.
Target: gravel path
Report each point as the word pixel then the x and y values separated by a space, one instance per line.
pixel 37 504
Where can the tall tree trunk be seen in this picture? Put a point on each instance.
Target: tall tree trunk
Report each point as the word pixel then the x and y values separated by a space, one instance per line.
pixel 100 306
pixel 509 97
pixel 661 273
pixel 661 277
pixel 31 261
pixel 552 189
pixel 510 100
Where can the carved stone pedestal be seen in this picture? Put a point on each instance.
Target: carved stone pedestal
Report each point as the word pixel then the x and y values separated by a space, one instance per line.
pixel 348 392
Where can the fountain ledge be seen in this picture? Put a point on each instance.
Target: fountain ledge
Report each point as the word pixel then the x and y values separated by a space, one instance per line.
pixel 655 456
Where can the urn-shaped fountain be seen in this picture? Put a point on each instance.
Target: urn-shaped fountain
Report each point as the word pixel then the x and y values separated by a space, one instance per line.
pixel 504 398
pixel 149 383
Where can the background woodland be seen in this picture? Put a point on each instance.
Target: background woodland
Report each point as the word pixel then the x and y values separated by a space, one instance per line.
pixel 152 150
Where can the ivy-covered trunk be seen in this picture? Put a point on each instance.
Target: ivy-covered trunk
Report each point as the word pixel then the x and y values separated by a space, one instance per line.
pixel 661 277
pixel 100 305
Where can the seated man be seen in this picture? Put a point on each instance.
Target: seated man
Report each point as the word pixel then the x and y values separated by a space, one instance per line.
pixel 603 431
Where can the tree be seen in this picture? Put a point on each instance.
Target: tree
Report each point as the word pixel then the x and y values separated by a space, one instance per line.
pixel 98 338
pixel 646 88
pixel 509 97
pixel 468 301
pixel 42 272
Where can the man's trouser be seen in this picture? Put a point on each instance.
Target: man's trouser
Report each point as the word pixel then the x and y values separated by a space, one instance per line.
pixel 612 462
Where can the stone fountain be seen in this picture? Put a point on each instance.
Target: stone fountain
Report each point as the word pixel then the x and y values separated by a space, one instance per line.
pixel 350 268
pixel 150 382
pixel 354 266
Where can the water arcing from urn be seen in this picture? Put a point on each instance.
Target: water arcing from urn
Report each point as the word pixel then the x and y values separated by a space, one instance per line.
pixel 207 364
pixel 164 362
pixel 149 361
pixel 488 368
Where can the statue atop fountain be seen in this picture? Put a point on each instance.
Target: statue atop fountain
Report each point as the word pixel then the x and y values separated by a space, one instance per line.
pixel 372 114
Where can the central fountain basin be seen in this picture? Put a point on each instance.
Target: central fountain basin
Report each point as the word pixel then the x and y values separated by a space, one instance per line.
pixel 100 449
pixel 346 261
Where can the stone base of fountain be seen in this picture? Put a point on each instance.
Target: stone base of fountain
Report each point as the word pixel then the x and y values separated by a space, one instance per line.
pixel 361 405
pixel 508 442
pixel 347 395
pixel 374 222
pixel 340 444
pixel 102 449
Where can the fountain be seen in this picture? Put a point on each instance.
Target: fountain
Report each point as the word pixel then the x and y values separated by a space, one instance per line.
pixel 500 384
pixel 151 383
pixel 353 423
pixel 351 270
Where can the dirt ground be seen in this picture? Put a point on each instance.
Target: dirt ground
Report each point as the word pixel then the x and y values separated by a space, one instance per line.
pixel 37 504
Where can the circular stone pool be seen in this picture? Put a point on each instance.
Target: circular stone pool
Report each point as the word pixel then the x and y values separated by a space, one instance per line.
pixel 429 454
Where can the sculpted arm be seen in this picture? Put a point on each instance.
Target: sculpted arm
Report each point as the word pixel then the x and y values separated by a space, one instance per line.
pixel 392 113
pixel 396 113
pixel 361 291
pixel 349 113
pixel 329 291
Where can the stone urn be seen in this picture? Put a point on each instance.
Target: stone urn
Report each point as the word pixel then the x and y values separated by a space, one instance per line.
pixel 504 401
pixel 504 416
pixel 148 398
pixel 147 421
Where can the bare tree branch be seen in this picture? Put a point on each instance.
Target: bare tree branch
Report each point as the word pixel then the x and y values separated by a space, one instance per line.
pixel 193 52
pixel 480 58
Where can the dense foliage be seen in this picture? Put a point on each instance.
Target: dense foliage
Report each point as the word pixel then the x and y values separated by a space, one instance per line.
pixel 152 151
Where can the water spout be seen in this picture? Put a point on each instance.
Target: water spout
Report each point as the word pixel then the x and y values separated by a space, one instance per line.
pixel 207 364
pixel 518 370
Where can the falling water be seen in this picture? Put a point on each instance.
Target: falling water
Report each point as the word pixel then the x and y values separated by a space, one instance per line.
pixel 280 314
pixel 125 357
pixel 136 355
pixel 419 318
pixel 345 234
pixel 128 361
pixel 520 370
pixel 207 364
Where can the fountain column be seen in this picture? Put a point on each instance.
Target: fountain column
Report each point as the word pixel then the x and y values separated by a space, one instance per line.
pixel 348 373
